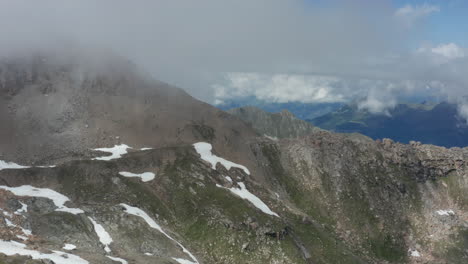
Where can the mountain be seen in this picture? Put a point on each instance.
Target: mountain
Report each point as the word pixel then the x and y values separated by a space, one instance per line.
pixel 300 110
pixel 101 164
pixel 437 124
pixel 277 125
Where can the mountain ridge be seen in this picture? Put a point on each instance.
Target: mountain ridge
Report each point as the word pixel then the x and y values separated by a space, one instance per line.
pixel 339 198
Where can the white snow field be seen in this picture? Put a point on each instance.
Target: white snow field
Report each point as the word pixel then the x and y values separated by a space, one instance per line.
pixel 123 261
pixel 140 213
pixel 11 248
pixel 184 261
pixel 11 165
pixel 23 209
pixel 104 237
pixel 31 191
pixel 204 149
pixel 116 151
pixel 414 253
pixel 69 247
pixel 143 149
pixel 245 194
pixel 445 212
pixel 145 176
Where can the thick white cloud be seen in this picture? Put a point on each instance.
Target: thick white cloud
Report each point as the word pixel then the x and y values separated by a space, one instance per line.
pixel 376 96
pixel 281 88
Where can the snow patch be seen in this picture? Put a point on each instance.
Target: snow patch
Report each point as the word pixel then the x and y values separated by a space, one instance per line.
pixel 47 166
pixel 271 137
pixel 184 261
pixel 245 194
pixel 69 247
pixel 11 248
pixel 145 177
pixel 414 253
pixel 445 212
pixel 142 149
pixel 148 254
pixel 24 230
pixel 6 213
pixel 116 151
pixel 58 198
pixel 204 149
pixel 228 179
pixel 123 261
pixel 22 237
pixel 9 223
pixel 11 165
pixel 104 237
pixel 140 213
pixel 23 209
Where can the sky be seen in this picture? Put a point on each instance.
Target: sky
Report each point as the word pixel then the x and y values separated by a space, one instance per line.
pixel 370 52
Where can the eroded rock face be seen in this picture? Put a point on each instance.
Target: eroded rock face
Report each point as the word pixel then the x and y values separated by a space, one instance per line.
pixel 333 198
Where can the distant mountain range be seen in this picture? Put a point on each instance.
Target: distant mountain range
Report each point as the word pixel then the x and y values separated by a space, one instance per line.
pixel 429 123
pixel 304 111
pixel 437 124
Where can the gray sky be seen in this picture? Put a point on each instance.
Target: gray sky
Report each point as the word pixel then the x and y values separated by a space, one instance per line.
pixel 274 49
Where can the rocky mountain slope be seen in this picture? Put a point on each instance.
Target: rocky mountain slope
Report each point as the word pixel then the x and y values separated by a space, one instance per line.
pixel 101 164
pixel 277 125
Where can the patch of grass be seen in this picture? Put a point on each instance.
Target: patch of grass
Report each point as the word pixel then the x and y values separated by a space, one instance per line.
pixel 455 189
pixel 389 248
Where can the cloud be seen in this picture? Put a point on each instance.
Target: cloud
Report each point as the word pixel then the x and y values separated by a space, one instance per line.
pixel 376 96
pixel 463 110
pixel 410 14
pixel 191 43
pixel 281 88
pixel 279 50
pixel 449 51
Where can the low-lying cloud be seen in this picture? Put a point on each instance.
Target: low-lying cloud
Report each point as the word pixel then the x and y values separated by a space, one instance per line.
pixel 307 51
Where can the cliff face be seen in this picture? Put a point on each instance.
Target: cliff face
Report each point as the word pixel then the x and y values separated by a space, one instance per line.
pixel 310 196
